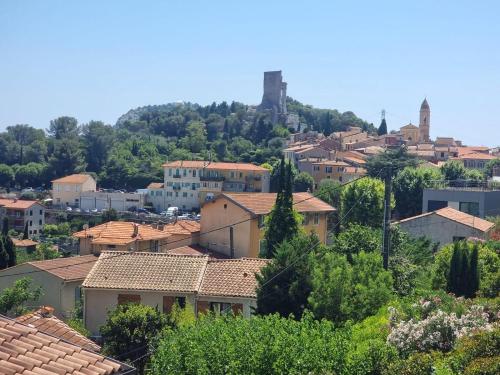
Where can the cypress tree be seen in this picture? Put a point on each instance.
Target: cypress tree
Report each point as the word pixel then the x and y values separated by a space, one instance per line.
pixel 473 272
pixel 463 281
pixel 7 243
pixel 282 224
pixel 382 129
pixel 455 268
pixel 4 257
pixel 25 234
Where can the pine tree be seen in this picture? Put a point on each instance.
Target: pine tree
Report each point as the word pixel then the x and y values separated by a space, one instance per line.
pixel 382 129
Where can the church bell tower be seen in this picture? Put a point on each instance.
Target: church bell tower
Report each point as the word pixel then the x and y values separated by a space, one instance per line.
pixel 425 121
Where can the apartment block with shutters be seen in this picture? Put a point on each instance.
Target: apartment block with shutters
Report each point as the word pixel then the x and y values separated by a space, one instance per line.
pixel 187 184
pixel 21 213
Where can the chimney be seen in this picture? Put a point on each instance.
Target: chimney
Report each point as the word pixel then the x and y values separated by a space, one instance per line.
pixel 136 230
pixel 46 311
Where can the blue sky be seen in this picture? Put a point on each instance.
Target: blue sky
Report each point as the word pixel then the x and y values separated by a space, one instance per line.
pixel 98 59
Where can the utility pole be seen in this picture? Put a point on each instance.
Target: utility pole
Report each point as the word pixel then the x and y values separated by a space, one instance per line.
pixel 387 220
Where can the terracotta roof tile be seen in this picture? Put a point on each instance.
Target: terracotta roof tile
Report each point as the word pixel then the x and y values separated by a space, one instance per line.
pixel 232 277
pixel 181 227
pixel 457 216
pixel 468 149
pixel 476 156
pixel 68 269
pixel 156 185
pixel 24 243
pixel 34 352
pixel 51 325
pixel 17 203
pixel 120 233
pixel 200 164
pixel 262 203
pixel 147 271
pixel 73 179
pixel 196 250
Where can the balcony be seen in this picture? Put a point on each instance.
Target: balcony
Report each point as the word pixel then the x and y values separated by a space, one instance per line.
pixel 176 176
pixel 463 185
pixel 212 178
pixel 176 187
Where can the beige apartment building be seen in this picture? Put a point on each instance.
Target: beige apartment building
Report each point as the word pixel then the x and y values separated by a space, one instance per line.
pixel 233 223
pixel 66 191
pixel 21 213
pixel 187 184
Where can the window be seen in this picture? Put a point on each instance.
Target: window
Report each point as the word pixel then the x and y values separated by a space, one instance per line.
pixel 177 194
pixel 316 219
pixel 111 246
pixel 316 168
pixel 184 172
pixel 128 298
pixel 220 308
pixel 40 222
pixel 241 175
pixel 31 212
pixel 31 223
pixel 328 169
pixel 154 245
pixel 442 154
pixel 306 218
pixel 194 172
pixel 152 193
pixel 170 172
pixel 185 194
pixel 471 208
pixel 232 174
pixel 41 212
pixel 261 220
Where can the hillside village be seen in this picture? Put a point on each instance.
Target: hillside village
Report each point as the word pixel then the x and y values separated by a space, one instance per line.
pixel 213 236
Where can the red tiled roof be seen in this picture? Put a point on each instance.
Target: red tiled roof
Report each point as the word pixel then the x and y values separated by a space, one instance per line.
pixel 26 350
pixel 73 179
pixel 47 323
pixel 120 233
pixel 181 227
pixel 262 203
pixel 232 277
pixel 68 269
pixel 147 271
pixel 17 203
pixel 156 185
pixel 196 250
pixel 24 243
pixel 200 164
pixel 476 156
pixel 459 217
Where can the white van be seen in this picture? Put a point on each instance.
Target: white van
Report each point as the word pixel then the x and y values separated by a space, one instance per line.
pixel 172 211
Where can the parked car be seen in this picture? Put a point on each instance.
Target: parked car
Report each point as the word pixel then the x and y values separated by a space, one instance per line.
pixel 28 190
pixel 87 211
pixel 94 210
pixel 69 209
pixel 183 217
pixel 77 210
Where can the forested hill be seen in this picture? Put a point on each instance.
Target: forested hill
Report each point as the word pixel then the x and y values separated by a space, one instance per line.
pixel 129 154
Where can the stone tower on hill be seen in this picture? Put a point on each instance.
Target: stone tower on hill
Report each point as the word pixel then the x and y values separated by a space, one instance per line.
pixel 425 122
pixel 274 98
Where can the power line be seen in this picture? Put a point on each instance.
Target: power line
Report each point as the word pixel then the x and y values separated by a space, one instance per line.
pixel 180 240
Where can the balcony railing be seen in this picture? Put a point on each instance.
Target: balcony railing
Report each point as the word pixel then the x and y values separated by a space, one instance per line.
pixel 463 185
pixel 212 178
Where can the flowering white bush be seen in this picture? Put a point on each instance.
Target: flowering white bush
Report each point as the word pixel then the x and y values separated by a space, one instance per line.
pixel 439 330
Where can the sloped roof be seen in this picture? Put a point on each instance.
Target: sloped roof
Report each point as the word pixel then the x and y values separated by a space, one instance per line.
pixel 477 156
pixel 23 243
pixel 26 350
pixel 120 233
pixel 409 126
pixel 457 216
pixel 262 203
pixel 331 162
pixel 67 269
pixel 17 203
pixel 51 325
pixel 73 179
pixel 232 277
pixel 181 227
pixel 468 149
pixel 200 164
pixel 196 250
pixel 156 185
pixel 147 271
